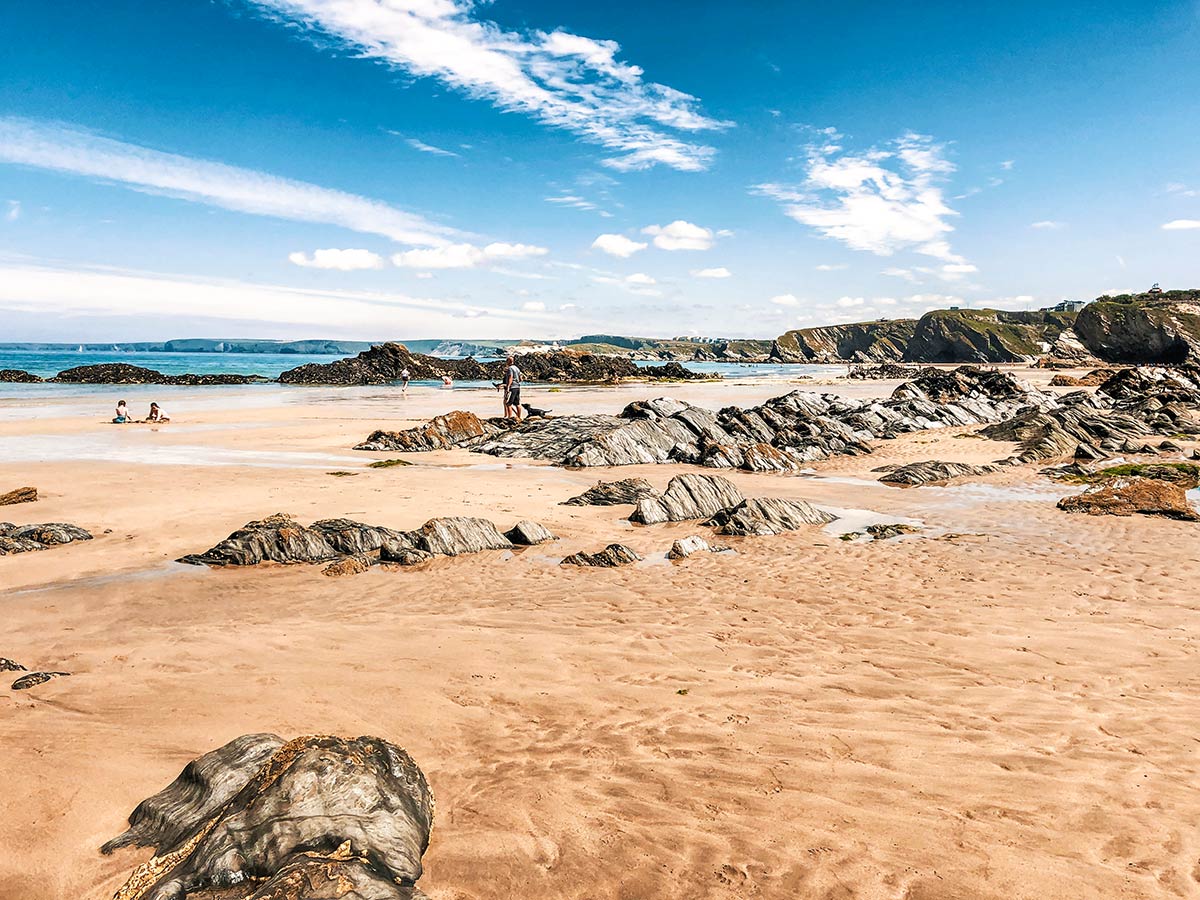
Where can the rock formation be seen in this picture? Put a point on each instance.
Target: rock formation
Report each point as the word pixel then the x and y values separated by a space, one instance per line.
pixel 610 557
pixel 1148 329
pixel 19 495
pixel 690 496
pixel 685 547
pixel 883 372
pixel 933 471
pixel 9 665
pixel 613 493
pixel 19 376
pixel 1126 496
pixel 527 533
pixel 123 373
pixel 384 363
pixel 766 516
pixel 860 342
pixel 454 429
pixel 315 818
pixel 33 679
pixel 1091 379
pixel 26 538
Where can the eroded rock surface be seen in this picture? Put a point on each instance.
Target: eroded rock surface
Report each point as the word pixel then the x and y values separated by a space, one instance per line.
pixel 315 818
pixel 685 547
pixel 768 515
pixel 19 376
pixel 454 429
pixel 33 679
pixel 19 495
pixel 123 373
pixel 28 538
pixel 527 533
pixel 611 557
pixel 9 665
pixel 933 471
pixel 613 493
pixel 1126 496
pixel 690 496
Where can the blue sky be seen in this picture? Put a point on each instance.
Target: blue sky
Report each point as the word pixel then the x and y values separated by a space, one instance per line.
pixel 437 168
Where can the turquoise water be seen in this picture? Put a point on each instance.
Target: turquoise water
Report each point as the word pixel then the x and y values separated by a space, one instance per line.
pixel 269 365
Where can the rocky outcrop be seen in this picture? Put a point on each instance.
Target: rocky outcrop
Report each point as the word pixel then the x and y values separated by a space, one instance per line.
pixel 527 533
pixel 611 557
pixel 1126 496
pixel 33 679
pixel 281 539
pixel 984 335
pixel 933 471
pixel 1147 329
pixel 1067 352
pixel 883 372
pixel 860 342
pixel 685 547
pixel 454 429
pixel 613 493
pixel 123 373
pixel 27 538
pixel 18 376
pixel 670 349
pixel 384 363
pixel 19 495
pixel 691 496
pixel 1091 379
pixel 312 819
pixel 766 516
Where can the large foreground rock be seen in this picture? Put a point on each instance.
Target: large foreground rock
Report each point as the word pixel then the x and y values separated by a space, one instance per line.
pixel 691 496
pixel 1126 496
pixel 933 471
pixel 27 538
pixel 768 515
pixel 315 818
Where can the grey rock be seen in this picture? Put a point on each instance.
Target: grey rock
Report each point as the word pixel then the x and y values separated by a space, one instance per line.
pixel 690 496
pixel 933 471
pixel 527 533
pixel 403 555
pixel 685 547
pixel 610 557
pixel 316 818
pixel 613 493
pixel 30 538
pixel 278 538
pixel 454 429
pixel 350 537
pixel 767 516
pixel 456 535
pixel 33 679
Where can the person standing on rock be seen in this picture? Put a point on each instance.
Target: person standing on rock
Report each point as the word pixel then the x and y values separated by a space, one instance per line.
pixel 512 390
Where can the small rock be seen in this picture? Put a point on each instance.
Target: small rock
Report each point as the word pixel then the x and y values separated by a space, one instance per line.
pixel 350 565
pixel 1165 446
pixel 610 557
pixel 33 679
pixel 882 532
pixel 527 533
pixel 1126 496
pixel 20 495
pixel 1089 451
pixel 403 554
pixel 685 547
pixel 933 471
pixel 613 493
pixel 8 665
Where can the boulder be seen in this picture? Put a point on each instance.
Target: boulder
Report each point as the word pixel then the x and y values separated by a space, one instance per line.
pixel 685 547
pixel 350 537
pixel 18 376
pixel 454 429
pixel 33 679
pixel 1126 496
pixel 528 534
pixel 315 818
pixel 691 496
pixel 768 515
pixel 613 493
pixel 278 538
pixel 28 538
pixel 610 557
pixel 455 535
pixel 19 495
pixel 934 471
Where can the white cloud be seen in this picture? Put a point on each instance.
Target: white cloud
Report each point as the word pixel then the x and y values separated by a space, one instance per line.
pixel 1182 225
pixel 464 256
pixel 1182 190
pixel 785 300
pixel 881 201
pixel 959 268
pixel 826 267
pixel 639 278
pixel 428 148
pixel 533 306
pixel 1048 225
pixel 561 79
pixel 680 235
pixel 62 149
pixel 344 260
pixel 1007 164
pixel 718 272
pixel 14 211
pixel 849 302
pixel 898 272
pixel 617 245
pixel 572 200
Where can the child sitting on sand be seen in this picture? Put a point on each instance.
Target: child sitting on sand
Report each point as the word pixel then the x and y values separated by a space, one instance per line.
pixel 122 413
pixel 156 414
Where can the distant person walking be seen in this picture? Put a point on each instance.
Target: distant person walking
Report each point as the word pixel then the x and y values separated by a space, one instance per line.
pixel 404 376
pixel 122 415
pixel 512 390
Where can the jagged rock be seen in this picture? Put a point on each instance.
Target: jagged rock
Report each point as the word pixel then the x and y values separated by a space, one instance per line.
pixel 33 679
pixel 316 818
pixel 685 547
pixel 19 376
pixel 123 373
pixel 613 493
pixel 1089 451
pixel 884 531
pixel 349 565
pixel 691 496
pixel 403 555
pixel 1126 496
pixel 1067 352
pixel 883 372
pixel 20 495
pixel 659 408
pixel 8 665
pixel 28 538
pixel 454 429
pixel 1155 329
pixel 528 534
pixel 278 538
pixel 455 535
pixel 610 557
pixel 1091 379
pixel 933 471
pixel 1169 447
pixel 350 537
pixel 768 515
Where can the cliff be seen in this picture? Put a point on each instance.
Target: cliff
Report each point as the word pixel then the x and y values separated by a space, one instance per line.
pixel 1143 328
pixel 860 342
pixel 984 335
pixel 669 349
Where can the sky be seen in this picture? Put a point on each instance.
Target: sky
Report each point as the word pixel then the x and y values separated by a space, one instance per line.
pixel 370 169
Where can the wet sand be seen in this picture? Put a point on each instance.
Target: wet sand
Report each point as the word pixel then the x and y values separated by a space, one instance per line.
pixel 1003 706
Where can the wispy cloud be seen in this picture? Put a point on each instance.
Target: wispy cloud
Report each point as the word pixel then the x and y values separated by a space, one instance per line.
pixel 428 148
pixel 342 260
pixel 465 256
pixel 827 267
pixel 13 212
pixel 1182 190
pixel 785 300
pixel 1048 225
pixel 717 272
pixel 680 235
pixel 565 80
pixel 63 149
pixel 883 200
pixel 617 245
pixel 1182 225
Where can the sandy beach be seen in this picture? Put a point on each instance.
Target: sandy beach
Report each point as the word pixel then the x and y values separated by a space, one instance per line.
pixel 1003 705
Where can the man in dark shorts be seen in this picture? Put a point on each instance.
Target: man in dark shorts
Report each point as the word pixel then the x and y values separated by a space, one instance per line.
pixel 512 390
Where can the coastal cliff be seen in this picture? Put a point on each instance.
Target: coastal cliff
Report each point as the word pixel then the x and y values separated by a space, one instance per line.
pixel 1149 328
pixel 860 342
